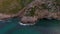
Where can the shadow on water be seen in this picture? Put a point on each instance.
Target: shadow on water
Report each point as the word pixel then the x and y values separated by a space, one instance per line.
pixel 48 23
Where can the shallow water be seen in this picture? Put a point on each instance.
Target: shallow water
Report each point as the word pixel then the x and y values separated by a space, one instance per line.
pixel 44 26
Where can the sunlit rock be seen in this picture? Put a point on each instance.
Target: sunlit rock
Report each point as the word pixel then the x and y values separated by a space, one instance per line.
pixel 28 20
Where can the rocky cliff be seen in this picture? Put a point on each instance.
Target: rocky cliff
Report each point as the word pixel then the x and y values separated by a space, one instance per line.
pixel 40 9
pixel 31 9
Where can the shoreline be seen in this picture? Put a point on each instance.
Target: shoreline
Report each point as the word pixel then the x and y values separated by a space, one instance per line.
pixel 6 16
pixel 26 24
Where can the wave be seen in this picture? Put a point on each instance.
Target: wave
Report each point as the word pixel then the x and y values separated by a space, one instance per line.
pixel 25 24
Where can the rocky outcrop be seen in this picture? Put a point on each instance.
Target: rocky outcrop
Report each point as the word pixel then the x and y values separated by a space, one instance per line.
pixel 5 16
pixel 54 15
pixel 39 13
pixel 28 19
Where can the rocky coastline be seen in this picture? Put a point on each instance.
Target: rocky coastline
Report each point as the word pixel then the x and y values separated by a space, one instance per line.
pixel 39 13
pixel 6 16
pixel 47 15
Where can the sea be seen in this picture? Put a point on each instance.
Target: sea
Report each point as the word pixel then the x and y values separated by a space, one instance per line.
pixel 43 26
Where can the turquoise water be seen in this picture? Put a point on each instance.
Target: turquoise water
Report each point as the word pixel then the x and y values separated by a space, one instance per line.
pixel 43 26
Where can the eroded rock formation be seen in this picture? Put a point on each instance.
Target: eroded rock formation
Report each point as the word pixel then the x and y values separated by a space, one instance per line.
pixel 44 9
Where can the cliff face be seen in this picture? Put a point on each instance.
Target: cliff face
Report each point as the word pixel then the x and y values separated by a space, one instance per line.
pixel 41 9
pixel 32 8
pixel 28 20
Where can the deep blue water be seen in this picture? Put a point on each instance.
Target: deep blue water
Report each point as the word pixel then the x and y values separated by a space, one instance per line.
pixel 43 26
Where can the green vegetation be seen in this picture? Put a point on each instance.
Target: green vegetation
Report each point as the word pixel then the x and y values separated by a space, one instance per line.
pixel 31 12
pixel 12 6
pixel 57 2
pixel 44 6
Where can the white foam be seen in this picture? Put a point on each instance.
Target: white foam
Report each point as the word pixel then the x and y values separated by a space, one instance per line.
pixel 25 24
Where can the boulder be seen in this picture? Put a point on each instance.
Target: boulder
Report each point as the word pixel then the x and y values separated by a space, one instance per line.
pixel 28 20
